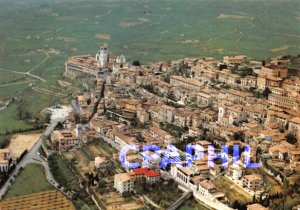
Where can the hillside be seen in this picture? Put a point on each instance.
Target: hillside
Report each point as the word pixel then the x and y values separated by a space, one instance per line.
pixel 38 36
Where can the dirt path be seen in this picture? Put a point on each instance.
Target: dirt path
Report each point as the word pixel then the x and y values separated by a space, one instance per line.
pixel 241 36
pixel 28 73
pixel 6 105
pixel 25 73
pixel 43 61
pixel 16 83
pixel 48 92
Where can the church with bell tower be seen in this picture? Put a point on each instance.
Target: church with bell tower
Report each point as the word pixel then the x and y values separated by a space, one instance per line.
pixel 102 56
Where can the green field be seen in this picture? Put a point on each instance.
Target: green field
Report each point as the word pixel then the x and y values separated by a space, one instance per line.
pixel 38 36
pixel 30 180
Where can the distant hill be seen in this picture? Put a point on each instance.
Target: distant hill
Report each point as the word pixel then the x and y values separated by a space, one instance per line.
pixel 157 29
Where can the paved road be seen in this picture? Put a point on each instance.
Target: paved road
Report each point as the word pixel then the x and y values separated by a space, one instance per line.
pixel 48 173
pixel 75 106
pixel 30 157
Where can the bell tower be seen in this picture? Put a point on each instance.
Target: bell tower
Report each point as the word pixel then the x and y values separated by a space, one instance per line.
pixel 102 56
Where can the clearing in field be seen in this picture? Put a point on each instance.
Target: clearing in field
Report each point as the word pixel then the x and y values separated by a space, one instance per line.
pixel 67 38
pixel 19 143
pixel 143 19
pixel 284 47
pixel 54 51
pixel 103 36
pixel 41 201
pixel 127 24
pixel 190 41
pixel 239 17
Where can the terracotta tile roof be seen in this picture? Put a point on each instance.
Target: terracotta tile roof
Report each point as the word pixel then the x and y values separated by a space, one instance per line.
pixel 123 177
pixel 207 185
pixel 253 177
pixel 146 172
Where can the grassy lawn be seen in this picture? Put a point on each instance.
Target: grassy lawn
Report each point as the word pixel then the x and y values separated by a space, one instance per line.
pixel 8 117
pixel 9 121
pixel 232 191
pixel 30 180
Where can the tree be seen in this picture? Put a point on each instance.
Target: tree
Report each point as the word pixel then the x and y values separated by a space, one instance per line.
pixel 193 74
pixel 136 63
pixel 291 138
pixel 23 113
pixel 4 142
pixel 140 137
pixel 266 92
pixel 222 66
pixel 246 72
pixel 141 187
pixel 126 194
pixel 166 78
pixel 239 136
pixel 171 96
pixel 236 205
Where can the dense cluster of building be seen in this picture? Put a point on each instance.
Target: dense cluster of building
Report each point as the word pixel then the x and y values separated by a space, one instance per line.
pixel 234 101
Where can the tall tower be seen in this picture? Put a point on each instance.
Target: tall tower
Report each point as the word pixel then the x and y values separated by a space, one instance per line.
pixel 102 56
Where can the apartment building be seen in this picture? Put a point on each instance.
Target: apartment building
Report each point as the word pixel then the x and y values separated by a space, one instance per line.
pixel 151 176
pixel 206 97
pixel 234 60
pixel 124 182
pixel 235 172
pixel 249 81
pixel 163 136
pixel 294 125
pixel 187 83
pixel 166 113
pixel 284 102
pixel 253 182
pixel 65 140
pixel 208 189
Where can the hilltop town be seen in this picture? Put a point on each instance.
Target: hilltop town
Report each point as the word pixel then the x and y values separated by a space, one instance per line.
pixel 235 101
